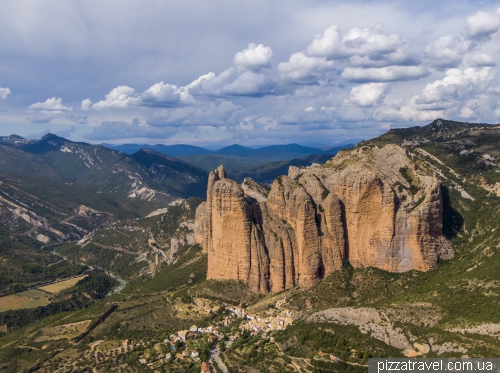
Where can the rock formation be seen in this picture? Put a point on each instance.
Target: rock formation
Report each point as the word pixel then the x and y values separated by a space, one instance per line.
pixel 371 206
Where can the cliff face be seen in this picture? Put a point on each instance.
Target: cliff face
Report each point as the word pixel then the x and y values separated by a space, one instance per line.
pixel 371 206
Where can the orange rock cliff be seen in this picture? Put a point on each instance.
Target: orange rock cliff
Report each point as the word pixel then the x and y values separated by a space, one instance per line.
pixel 371 206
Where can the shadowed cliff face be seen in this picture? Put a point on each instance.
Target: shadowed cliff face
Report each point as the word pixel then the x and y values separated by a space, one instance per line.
pixel 371 206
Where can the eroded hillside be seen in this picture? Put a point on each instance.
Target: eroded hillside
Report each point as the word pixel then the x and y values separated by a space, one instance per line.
pixel 137 248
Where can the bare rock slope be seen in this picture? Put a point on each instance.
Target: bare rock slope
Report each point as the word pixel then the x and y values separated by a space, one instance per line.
pixel 371 206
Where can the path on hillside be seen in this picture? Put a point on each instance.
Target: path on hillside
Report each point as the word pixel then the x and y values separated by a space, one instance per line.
pixel 68 219
pixel 214 356
pixel 31 230
pixel 191 261
pixel 114 248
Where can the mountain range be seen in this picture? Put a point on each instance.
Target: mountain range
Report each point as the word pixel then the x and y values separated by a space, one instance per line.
pixel 68 175
pixel 69 178
pixel 267 153
pixel 390 248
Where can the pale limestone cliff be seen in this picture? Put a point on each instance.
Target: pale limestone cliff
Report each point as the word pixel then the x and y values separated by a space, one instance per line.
pixel 254 190
pixel 371 206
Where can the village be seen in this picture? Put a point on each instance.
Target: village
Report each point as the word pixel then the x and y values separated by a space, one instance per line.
pixel 204 345
pixel 210 346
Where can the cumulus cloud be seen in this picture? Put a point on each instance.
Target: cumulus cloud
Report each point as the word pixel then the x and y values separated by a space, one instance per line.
pixel 302 68
pixel 482 25
pixel 159 95
pixel 384 74
pixel 365 41
pixel 368 94
pixel 368 47
pixel 44 112
pixel 446 51
pixel 457 84
pixel 461 93
pixel 4 92
pixel 481 59
pixel 337 79
pixel 163 95
pixel 231 82
pixel 86 104
pixel 119 98
pixel 52 105
pixel 326 44
pixel 254 57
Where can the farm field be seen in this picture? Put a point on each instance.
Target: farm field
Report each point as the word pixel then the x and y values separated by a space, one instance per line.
pixel 27 299
pixel 68 331
pixel 60 286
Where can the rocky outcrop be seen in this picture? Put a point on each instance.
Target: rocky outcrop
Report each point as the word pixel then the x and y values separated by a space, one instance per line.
pixel 379 324
pixel 254 190
pixel 369 320
pixel 373 207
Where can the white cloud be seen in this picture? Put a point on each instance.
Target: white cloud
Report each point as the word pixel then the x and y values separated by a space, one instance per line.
pixel 51 105
pixel 326 44
pixel 388 114
pixel 119 98
pixel 365 41
pixel 197 82
pixel 384 74
pixel 248 84
pixel 482 25
pixel 232 82
pixel 4 92
pixel 368 47
pixel 368 94
pixel 481 59
pixel 254 57
pixel 457 84
pixel 164 95
pixel 158 95
pixel 343 78
pixel 304 68
pixel 446 51
pixel 461 93
pixel 44 112
pixel 466 112
pixel 86 104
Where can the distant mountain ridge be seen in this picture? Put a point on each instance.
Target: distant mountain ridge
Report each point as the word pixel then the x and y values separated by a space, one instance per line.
pixel 265 174
pixel 266 153
pixel 55 179
pixel 107 170
pixel 172 150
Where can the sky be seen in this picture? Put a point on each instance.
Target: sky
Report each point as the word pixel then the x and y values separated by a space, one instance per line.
pixel 254 72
